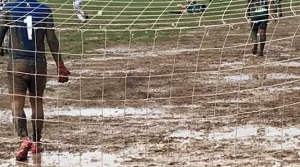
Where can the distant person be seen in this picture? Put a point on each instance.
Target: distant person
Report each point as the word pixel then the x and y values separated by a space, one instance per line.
pixel 258 12
pixel 29 22
pixel 191 8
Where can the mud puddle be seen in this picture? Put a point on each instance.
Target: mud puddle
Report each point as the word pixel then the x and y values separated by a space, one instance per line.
pixel 288 64
pixel 275 138
pixel 5 115
pixel 281 89
pixel 226 64
pixel 87 159
pixel 235 78
pixel 281 76
pixel 271 76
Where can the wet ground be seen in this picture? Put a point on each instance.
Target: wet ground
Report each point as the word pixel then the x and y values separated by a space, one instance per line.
pixel 171 105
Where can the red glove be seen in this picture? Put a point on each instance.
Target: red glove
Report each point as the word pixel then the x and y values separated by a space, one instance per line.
pixel 63 73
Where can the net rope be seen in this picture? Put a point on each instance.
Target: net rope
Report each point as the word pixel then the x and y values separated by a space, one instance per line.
pixel 195 69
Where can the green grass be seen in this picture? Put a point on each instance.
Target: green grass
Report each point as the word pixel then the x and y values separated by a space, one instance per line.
pixel 144 14
pixel 137 21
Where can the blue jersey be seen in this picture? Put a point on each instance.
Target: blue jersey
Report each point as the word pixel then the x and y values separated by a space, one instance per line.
pixel 27 21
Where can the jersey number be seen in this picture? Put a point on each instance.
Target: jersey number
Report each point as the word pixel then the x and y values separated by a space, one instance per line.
pixel 28 22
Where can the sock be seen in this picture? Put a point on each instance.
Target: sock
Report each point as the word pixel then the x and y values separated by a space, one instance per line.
pixel 263 39
pixel 37 126
pixel 255 45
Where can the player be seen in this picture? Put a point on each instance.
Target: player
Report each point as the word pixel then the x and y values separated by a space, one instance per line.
pixel 83 16
pixel 5 44
pixel 191 7
pixel 30 22
pixel 258 12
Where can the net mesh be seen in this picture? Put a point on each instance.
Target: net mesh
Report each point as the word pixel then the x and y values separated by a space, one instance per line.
pixel 150 88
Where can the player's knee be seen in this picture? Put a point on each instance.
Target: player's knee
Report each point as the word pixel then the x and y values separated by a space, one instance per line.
pixel 262 31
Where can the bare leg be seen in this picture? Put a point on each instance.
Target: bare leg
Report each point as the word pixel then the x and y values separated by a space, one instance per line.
pixel 254 30
pixel 19 117
pixel 262 41
pixel 36 90
pixel 37 117
pixel 17 87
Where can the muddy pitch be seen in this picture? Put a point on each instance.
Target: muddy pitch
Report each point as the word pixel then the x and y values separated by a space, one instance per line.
pixel 172 105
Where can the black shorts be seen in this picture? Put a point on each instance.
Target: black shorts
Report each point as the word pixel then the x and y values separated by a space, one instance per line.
pixel 26 75
pixel 259 25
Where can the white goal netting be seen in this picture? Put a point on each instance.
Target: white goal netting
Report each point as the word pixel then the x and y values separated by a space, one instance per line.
pixel 152 88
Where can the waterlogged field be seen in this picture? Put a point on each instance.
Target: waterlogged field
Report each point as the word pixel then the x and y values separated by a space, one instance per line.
pixel 188 97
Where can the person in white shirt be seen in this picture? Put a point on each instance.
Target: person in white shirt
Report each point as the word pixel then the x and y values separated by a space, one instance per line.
pixel 83 16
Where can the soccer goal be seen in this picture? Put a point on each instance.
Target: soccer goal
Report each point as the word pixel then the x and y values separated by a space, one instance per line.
pixel 152 88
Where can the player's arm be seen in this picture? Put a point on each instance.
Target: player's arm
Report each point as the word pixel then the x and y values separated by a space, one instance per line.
pixel 54 48
pixel 272 8
pixel 182 6
pixel 4 18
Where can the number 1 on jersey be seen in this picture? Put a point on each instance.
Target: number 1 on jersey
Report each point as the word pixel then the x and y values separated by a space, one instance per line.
pixel 28 22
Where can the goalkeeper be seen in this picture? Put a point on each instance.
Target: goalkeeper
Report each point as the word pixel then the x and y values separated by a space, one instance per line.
pixel 191 8
pixel 258 12
pixel 30 22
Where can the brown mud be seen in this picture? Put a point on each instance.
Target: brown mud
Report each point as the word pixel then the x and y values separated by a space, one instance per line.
pixel 203 100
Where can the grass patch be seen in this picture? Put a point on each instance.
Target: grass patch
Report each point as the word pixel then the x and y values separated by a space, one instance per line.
pixel 137 21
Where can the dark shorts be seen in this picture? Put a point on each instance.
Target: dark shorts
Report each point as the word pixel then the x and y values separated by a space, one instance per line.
pixel 26 75
pixel 259 22
pixel 259 25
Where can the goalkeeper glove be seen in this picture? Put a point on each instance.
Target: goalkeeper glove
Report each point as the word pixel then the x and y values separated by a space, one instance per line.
pixel 63 73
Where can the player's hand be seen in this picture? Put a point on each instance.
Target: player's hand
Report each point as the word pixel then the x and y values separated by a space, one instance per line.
pixel 274 15
pixel 248 18
pixel 179 5
pixel 63 73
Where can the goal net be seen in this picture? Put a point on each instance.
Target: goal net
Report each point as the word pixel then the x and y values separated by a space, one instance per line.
pixel 152 88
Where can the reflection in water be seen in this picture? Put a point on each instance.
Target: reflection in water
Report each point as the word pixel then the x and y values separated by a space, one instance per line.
pixel 36 161
pixel 67 159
